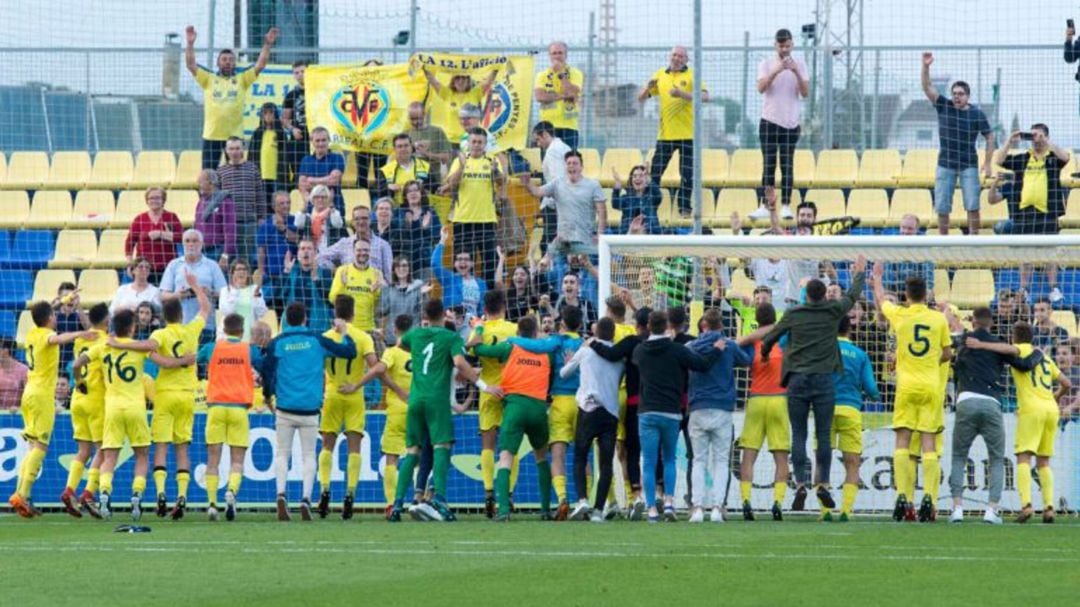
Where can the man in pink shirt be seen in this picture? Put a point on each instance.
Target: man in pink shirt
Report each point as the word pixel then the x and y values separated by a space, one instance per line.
pixel 783 81
pixel 12 377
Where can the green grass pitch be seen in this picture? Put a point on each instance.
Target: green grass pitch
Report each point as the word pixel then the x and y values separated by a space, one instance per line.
pixel 255 560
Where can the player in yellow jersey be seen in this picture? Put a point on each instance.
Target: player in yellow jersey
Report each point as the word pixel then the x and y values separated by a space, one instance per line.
pixel 125 406
pixel 38 407
pixel 923 343
pixel 87 422
pixel 343 406
pixel 395 372
pixel 1034 374
pixel 496 329
pixel 361 281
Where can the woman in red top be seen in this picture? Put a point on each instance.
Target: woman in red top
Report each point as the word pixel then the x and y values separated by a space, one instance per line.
pixel 154 234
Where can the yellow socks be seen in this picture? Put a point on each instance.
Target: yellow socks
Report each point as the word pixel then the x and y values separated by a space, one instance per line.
pixel 1046 481
pixel 931 466
pixel 1023 483
pixel 901 459
pixel 183 479
pixel 234 482
pixel 160 476
pixel 31 467
pixel 559 482
pixel 487 468
pixel 106 482
pixel 779 490
pixel 92 480
pixel 138 485
pixel 326 461
pixel 745 489
pixel 389 482
pixel 75 474
pixel 211 487
pixel 514 474
pixel 352 473
pixel 848 500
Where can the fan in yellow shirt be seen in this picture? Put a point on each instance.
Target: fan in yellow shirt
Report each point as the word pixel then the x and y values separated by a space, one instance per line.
pixel 38 407
pixel 343 407
pixel 362 283
pixel 395 372
pixel 923 343
pixel 125 406
pixel 558 91
pixel 450 99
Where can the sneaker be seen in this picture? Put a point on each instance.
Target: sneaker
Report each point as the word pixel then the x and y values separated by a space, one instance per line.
pixel 1025 513
pixel 992 517
pixel 305 509
pixel 900 508
pixel 68 498
pixel 105 508
pixel 597 518
pixel 423 512
pixel 212 513
pixel 927 511
pixel 87 503
pixel 1063 506
pixel 759 214
pixel 611 512
pixel 697 515
pixel 785 212
pixel 563 511
pixel 1048 514
pixel 230 506
pixel 843 517
pixel 716 516
pixel 637 510
pixel 324 504
pixel 489 504
pixel 777 512
pixel 653 516
pixel 347 507
pixel 136 509
pixel 826 516
pixel 20 505
pixel 957 515
pixel 178 510
pixel 799 503
pixel 581 511
pixel 393 515
pixel 825 498
pixel 446 515
pixel 1056 296
pixel 162 506
pixel 909 513
pixel 669 514
pixel 747 511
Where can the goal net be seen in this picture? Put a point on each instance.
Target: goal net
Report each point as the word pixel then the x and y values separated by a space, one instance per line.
pixel 1015 277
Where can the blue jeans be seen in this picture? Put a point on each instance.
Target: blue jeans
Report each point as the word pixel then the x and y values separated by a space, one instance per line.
pixel 811 392
pixel 945 185
pixel 658 434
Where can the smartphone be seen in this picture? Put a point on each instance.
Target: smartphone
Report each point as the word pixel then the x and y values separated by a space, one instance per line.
pixel 1025 136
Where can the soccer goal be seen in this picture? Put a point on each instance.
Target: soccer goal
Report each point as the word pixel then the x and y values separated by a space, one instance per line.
pixel 1032 279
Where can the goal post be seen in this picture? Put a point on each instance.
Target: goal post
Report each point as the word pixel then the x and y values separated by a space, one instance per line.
pixel 1010 274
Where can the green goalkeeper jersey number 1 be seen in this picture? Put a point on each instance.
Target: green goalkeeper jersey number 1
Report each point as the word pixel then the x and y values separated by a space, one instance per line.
pixel 433 350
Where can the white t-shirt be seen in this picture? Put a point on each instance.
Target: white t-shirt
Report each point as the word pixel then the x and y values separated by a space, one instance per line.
pixel 127 299
pixel 774 275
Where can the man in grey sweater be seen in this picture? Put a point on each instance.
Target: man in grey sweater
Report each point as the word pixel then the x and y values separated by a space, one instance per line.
pixel 811 356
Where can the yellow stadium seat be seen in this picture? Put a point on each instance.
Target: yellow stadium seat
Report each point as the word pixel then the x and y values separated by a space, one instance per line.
pixel 919 169
pixel 708 205
pixel 1065 319
pixel 830 203
pixel 297 203
pixel 805 169
pixel 25 324
pixel 112 171
pixel 27 171
pixel 591 159
pixel 871 206
pixel 989 214
pixel 1067 179
pixel 972 288
pixel 532 156
pixel 670 178
pixel 16 206
pixel 47 283
pixel 74 249
pixel 917 202
pixel 879 169
pixel 735 200
pixel 1071 218
pixel 714 168
pixel 350 175
pixel 128 205
pixel 745 169
pixel 621 160
pixel 97 286
pixel 188 168
pixel 93 209
pixel 941 283
pixel 836 169
pixel 355 198
pixel 153 168
pixel 666 211
pixel 183 203
pixel 50 209
pixel 70 170
pixel 110 252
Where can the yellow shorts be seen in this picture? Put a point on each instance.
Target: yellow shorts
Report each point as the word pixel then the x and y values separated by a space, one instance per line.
pixel 847 429
pixel 227 424
pixel 919 410
pixel 393 436
pixel 121 424
pixel 343 413
pixel 1035 431
pixel 766 420
pixel 491 412
pixel 88 418
pixel 562 419
pixel 173 418
pixel 39 416
pixel 620 432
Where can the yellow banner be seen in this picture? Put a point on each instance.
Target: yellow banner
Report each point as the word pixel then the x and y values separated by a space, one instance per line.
pixel 362 107
pixel 506 106
pixel 272 85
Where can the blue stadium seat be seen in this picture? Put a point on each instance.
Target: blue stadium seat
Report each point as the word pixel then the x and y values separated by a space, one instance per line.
pixel 31 249
pixel 5 244
pixel 9 321
pixel 16 287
